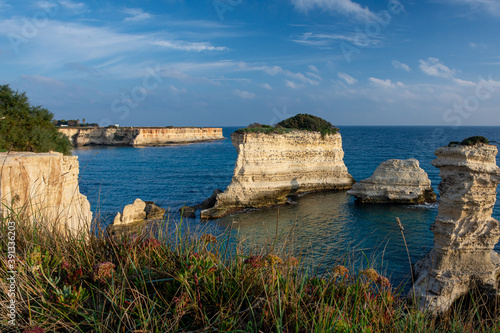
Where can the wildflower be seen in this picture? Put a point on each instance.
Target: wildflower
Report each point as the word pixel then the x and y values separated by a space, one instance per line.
pixel 370 273
pixel 151 243
pixel 209 239
pixel 195 256
pixel 340 271
pixel 292 261
pixel 255 262
pixel 103 271
pixel 273 260
pixel 35 329
pixel 66 265
pixel 383 281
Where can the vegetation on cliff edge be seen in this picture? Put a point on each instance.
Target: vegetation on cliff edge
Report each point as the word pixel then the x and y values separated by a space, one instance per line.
pixel 304 122
pixel 186 283
pixel 24 127
pixel 470 141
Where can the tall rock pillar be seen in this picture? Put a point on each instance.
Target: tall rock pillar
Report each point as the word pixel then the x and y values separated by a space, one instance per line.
pixel 464 231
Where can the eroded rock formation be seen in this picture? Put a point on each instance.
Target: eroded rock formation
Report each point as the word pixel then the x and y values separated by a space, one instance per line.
pixel 138 211
pixel 395 181
pixel 271 167
pixel 44 186
pixel 139 136
pixel 464 231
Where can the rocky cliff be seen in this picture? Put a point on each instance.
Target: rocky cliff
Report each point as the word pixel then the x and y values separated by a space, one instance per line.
pixel 464 231
pixel 139 136
pixel 395 181
pixel 271 167
pixel 44 187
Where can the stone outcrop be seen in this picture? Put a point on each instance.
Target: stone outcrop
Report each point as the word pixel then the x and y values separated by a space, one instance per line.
pixel 138 211
pixel 44 186
pixel 139 136
pixel 271 167
pixel 395 181
pixel 462 258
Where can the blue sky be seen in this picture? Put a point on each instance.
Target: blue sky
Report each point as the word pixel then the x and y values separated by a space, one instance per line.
pixel 235 62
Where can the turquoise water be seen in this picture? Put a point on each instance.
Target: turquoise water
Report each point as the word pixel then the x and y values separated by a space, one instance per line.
pixel 324 226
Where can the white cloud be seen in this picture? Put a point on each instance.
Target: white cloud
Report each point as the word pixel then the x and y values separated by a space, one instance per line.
pixel 188 46
pixel 44 80
pixel 347 78
pixel 491 7
pixel 294 85
pixel 314 76
pixel 344 7
pixel 328 40
pixel 313 68
pixel 177 91
pixel 399 65
pixel 136 14
pixel 433 67
pixel 266 86
pixel 385 83
pixel 275 70
pixel 243 94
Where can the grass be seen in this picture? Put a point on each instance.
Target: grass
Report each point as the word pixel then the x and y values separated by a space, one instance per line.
pixel 187 283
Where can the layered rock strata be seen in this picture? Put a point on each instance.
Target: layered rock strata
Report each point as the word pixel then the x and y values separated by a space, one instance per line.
pixel 139 136
pixel 464 231
pixel 395 181
pixel 271 167
pixel 44 187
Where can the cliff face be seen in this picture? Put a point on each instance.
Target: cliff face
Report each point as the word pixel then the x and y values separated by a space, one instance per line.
pixel 44 186
pixel 139 136
pixel 395 181
pixel 464 231
pixel 271 167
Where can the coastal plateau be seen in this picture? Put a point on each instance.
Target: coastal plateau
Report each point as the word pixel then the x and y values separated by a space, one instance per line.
pixel 139 136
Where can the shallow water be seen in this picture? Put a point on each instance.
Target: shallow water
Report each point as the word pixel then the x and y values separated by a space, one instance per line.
pixel 325 226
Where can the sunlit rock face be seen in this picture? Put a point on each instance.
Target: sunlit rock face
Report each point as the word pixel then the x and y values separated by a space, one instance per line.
pixel 464 231
pixel 271 167
pixel 44 186
pixel 139 136
pixel 395 181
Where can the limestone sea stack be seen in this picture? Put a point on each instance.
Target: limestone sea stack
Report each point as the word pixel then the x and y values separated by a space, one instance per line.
pixel 272 166
pixel 462 258
pixel 139 211
pixel 44 187
pixel 397 182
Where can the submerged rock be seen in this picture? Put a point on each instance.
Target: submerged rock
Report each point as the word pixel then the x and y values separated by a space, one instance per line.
pixel 464 231
pixel 395 181
pixel 272 166
pixel 209 202
pixel 188 211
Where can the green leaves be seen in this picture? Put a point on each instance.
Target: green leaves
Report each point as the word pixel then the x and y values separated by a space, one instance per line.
pixel 28 128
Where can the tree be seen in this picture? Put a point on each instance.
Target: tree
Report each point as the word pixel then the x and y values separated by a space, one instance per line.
pixel 26 127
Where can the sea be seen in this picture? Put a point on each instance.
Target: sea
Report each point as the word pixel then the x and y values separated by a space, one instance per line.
pixel 323 229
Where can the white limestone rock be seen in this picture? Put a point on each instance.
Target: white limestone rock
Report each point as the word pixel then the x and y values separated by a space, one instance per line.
pixel 272 166
pixel 134 212
pixel 462 258
pixel 395 181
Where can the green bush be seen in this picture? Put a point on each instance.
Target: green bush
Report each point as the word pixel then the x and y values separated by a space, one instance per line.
pixel 473 140
pixel 303 122
pixel 24 127
pixel 309 123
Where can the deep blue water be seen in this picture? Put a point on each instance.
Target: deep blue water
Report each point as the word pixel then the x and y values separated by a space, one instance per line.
pixel 325 227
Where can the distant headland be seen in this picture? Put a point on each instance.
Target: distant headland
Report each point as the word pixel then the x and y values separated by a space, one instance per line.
pixel 139 136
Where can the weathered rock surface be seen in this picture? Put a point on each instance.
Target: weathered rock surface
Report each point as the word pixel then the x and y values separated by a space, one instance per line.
pixel 464 231
pixel 139 211
pixel 271 167
pixel 44 186
pixel 154 212
pixel 395 181
pixel 209 202
pixel 188 211
pixel 131 213
pixel 139 136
